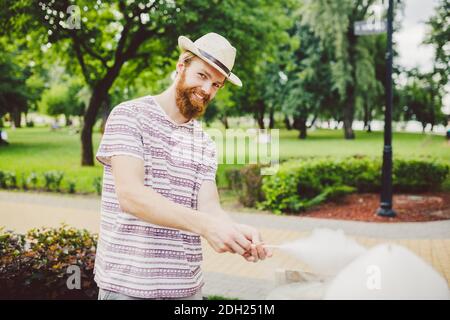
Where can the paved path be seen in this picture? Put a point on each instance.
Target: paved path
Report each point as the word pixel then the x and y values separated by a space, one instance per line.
pixel 225 274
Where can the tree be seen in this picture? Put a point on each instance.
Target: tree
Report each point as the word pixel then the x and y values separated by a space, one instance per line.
pixel 332 22
pixel 274 20
pixel 113 34
pixel 370 78
pixel 62 99
pixel 13 91
pixel 308 74
pixel 439 37
pixel 422 100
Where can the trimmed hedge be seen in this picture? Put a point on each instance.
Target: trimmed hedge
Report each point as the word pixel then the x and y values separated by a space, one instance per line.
pixel 419 175
pixel 35 265
pixel 50 181
pixel 301 184
pixel 247 181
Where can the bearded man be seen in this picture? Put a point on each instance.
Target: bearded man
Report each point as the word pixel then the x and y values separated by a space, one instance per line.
pixel 159 194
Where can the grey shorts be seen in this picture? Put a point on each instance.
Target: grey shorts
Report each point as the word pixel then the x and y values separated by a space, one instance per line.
pixel 111 295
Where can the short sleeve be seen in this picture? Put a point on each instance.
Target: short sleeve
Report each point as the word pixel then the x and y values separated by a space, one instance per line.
pixel 209 161
pixel 122 136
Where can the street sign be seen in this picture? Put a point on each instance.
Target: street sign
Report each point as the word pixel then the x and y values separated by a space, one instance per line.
pixel 362 28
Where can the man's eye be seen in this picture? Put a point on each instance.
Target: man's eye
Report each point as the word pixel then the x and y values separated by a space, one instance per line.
pixel 202 75
pixel 217 85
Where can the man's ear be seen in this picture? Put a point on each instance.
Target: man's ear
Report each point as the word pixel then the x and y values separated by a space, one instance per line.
pixel 180 67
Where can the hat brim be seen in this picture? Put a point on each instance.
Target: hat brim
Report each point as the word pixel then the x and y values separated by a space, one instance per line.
pixel 186 44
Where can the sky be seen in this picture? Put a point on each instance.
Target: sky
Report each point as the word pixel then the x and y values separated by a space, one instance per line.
pixel 412 53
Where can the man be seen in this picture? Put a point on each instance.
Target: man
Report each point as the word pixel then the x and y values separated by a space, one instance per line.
pixel 159 192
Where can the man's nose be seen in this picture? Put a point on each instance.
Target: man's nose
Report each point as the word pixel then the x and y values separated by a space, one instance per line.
pixel 206 88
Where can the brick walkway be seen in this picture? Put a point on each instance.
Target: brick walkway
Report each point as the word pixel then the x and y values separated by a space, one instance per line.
pixel 230 275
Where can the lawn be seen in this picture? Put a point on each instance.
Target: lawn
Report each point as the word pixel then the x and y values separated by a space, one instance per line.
pixel 40 149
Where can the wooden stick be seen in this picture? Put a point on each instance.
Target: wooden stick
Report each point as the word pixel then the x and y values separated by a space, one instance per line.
pixel 271 246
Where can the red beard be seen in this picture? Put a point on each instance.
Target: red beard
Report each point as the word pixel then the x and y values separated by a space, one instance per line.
pixel 189 106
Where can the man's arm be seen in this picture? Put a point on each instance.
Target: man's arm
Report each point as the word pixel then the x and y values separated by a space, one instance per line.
pixel 209 201
pixel 148 205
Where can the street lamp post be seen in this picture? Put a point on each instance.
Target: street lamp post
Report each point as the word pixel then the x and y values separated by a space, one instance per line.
pixel 385 209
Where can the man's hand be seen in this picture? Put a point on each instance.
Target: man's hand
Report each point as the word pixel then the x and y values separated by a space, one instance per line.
pixel 225 236
pixel 257 250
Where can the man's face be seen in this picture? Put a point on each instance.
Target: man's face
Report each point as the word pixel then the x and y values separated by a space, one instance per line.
pixel 196 87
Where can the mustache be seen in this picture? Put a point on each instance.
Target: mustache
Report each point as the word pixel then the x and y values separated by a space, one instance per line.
pixel 195 90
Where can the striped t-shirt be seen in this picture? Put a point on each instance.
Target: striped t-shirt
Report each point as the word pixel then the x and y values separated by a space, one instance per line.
pixel 134 257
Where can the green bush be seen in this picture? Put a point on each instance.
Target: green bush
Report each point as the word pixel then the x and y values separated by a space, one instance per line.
pixel 301 184
pixel 233 177
pixel 71 184
pixel 33 180
pixel 24 183
pixel 419 175
pixel 53 180
pixel 281 189
pixel 34 265
pixel 10 180
pixel 251 182
pixel 97 183
pixel 2 180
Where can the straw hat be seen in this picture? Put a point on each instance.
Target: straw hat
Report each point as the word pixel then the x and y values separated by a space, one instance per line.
pixel 216 51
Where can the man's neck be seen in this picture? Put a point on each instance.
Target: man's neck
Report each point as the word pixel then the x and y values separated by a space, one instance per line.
pixel 167 101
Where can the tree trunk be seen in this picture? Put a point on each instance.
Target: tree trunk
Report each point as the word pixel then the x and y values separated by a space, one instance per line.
pixel 98 96
pixel 348 121
pixel 272 118
pixel 260 110
pixel 348 113
pixel 87 155
pixel 312 122
pixel 287 122
pixel 367 118
pixel 17 117
pixel 105 114
pixel 261 122
pixel 67 120
pixel 302 134
pixel 349 105
pixel 337 124
pixel 300 125
pixel 224 121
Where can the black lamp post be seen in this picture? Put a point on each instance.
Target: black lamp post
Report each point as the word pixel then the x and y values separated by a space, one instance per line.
pixel 385 209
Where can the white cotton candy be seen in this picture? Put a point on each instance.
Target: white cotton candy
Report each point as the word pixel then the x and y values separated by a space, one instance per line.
pixel 388 271
pixel 325 251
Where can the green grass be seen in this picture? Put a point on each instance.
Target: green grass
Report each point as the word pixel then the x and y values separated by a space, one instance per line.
pixel 40 150
pixel 323 143
pixel 331 143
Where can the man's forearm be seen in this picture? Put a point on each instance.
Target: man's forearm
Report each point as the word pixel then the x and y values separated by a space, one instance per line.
pixel 219 212
pixel 148 205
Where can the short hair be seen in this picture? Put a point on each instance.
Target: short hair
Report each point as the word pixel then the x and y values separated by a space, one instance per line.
pixel 186 57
